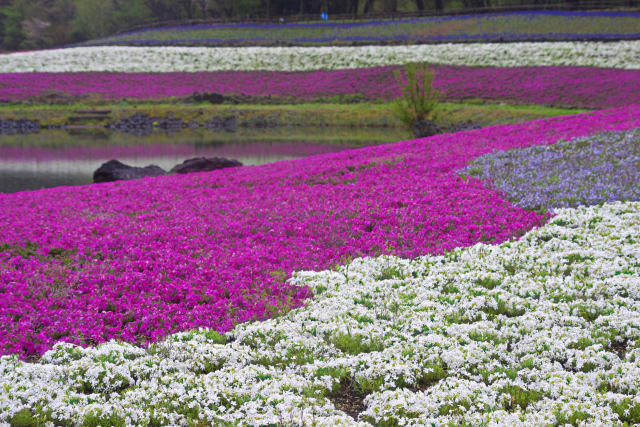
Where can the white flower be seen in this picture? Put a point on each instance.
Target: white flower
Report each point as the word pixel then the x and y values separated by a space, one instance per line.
pixel 444 357
pixel 626 55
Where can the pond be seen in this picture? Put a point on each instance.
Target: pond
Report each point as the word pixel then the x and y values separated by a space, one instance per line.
pixel 51 158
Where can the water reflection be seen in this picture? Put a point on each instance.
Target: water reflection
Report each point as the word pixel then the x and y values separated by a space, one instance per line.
pixel 54 158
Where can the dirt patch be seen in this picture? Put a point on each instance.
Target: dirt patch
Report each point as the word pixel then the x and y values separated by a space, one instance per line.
pixel 349 401
pixel 619 347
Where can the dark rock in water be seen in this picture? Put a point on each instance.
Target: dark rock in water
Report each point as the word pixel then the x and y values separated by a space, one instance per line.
pixel 114 170
pixel 423 128
pixel 204 164
pixel 211 97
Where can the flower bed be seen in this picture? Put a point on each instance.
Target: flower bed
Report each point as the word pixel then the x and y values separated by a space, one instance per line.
pixel 139 260
pixel 585 87
pixel 542 331
pixel 624 55
pixel 583 171
pixel 513 26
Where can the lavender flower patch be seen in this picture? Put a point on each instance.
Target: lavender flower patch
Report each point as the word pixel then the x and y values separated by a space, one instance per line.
pixel 583 171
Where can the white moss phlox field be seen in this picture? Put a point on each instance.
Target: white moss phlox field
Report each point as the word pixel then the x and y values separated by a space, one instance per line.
pixel 624 54
pixel 544 330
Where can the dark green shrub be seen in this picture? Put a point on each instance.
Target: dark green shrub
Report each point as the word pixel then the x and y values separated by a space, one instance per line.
pixel 418 106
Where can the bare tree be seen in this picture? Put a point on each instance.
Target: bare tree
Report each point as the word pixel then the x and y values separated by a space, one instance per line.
pixel 187 7
pixel 353 7
pixel 222 8
pixel 157 8
pixel 203 5
pixel 390 5
pixel 368 6
pixel 34 28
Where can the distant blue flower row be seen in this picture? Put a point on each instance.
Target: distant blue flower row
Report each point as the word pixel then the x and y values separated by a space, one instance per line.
pixel 512 26
pixel 584 171
pixel 320 40
pixel 384 22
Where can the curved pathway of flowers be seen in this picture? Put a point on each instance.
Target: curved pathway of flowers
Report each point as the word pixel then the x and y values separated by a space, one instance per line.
pixel 539 331
pixel 139 260
pixel 543 330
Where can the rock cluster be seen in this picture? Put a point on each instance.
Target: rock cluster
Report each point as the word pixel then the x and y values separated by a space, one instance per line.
pixel 142 124
pixel 423 128
pixel 11 126
pixel 114 170
pixel 210 97
pixel 462 127
pixel 222 123
pixel 204 164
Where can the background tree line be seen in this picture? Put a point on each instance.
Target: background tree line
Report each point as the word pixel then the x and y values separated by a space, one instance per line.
pixel 35 24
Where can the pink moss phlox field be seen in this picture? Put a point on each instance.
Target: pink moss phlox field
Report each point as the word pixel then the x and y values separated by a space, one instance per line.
pixel 138 260
pixel 587 87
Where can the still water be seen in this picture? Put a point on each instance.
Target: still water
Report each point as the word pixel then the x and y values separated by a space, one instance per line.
pixel 53 158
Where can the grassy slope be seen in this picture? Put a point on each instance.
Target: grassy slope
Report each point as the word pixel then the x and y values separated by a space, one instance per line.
pixel 321 114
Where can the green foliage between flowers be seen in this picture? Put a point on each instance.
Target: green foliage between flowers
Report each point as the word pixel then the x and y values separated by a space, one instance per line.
pixel 419 100
pixel 356 343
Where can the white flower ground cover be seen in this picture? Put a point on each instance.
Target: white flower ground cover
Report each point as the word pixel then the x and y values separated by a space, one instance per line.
pixel 624 54
pixel 544 330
